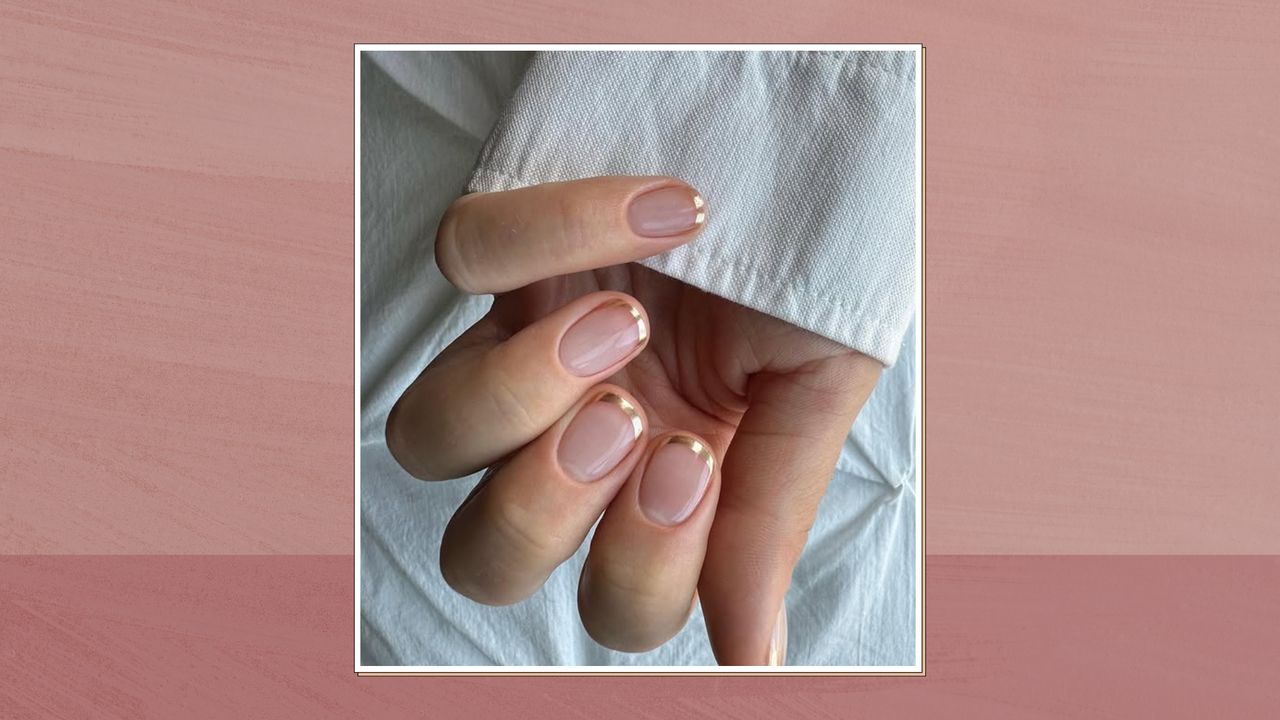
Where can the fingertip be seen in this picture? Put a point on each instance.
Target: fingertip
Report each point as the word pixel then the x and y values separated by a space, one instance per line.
pixel 600 434
pixel 677 475
pixel 609 330
pixel 670 210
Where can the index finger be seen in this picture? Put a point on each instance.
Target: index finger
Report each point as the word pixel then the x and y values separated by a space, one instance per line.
pixel 499 241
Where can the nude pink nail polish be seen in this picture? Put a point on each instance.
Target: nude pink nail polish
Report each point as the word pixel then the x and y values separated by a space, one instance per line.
pixel 665 212
pixel 599 437
pixel 675 480
pixel 602 338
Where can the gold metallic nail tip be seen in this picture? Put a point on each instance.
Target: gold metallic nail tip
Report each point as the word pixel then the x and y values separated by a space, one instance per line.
pixel 637 425
pixel 642 328
pixel 699 204
pixel 697 447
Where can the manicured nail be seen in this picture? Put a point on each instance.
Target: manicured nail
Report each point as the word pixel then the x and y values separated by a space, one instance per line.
pixel 666 212
pixel 675 479
pixel 778 639
pixel 598 437
pixel 602 338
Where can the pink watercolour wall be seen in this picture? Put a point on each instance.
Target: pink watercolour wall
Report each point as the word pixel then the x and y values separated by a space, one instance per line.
pixel 1102 334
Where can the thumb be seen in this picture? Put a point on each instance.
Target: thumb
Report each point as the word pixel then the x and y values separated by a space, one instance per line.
pixel 775 474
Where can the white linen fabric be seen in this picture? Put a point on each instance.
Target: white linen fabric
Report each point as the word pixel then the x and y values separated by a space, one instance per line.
pixel 424 119
pixel 807 161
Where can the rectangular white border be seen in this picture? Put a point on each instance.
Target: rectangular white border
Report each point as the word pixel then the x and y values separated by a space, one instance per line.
pixel 918 668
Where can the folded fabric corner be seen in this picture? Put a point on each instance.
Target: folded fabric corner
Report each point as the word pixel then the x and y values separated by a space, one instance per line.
pixel 807 161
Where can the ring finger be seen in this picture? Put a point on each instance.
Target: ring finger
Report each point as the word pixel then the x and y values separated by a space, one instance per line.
pixel 533 512
pixel 639 582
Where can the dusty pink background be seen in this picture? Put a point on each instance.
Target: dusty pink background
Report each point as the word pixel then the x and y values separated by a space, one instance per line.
pixel 1103 280
pixel 176 353
pixel 269 636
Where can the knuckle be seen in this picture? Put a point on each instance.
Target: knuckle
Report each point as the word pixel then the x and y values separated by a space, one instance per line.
pixel 629 611
pixel 576 220
pixel 629 589
pixel 401 447
pixel 513 402
pixel 522 533
pixel 412 442
pixel 479 569
pixel 476 583
pixel 449 249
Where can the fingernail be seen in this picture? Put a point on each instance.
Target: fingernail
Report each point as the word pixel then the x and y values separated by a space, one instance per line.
pixel 667 211
pixel 778 639
pixel 675 479
pixel 598 437
pixel 602 338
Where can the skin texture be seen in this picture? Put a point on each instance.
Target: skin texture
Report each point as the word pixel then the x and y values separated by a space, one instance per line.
pixel 770 401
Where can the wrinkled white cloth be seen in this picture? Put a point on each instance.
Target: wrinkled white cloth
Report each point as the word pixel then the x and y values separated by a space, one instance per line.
pixel 807 161
pixel 424 119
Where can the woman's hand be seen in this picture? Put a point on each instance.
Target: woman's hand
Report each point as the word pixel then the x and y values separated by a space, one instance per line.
pixel 704 431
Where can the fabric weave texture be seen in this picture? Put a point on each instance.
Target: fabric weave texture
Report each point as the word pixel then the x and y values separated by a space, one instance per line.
pixel 807 161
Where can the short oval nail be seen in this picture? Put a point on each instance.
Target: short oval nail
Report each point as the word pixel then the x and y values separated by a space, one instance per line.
pixel 667 211
pixel 601 338
pixel 598 437
pixel 675 479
